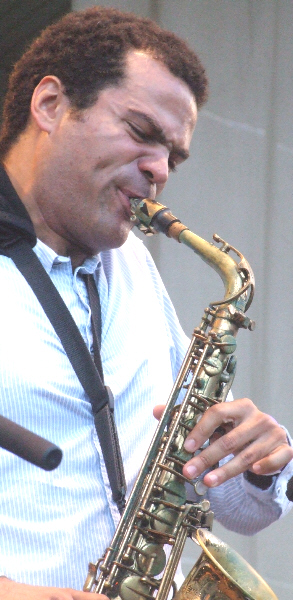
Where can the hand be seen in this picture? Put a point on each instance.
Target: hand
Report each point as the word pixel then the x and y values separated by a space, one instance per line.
pixel 10 590
pixel 255 439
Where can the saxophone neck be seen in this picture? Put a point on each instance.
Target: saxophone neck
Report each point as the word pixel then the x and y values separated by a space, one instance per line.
pixel 152 217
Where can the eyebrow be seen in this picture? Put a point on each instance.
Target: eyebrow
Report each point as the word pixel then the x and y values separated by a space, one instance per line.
pixel 158 134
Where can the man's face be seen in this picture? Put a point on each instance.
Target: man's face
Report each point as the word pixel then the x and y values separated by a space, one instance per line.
pixel 123 146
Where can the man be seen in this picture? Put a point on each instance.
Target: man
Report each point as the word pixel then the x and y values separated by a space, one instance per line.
pixel 99 110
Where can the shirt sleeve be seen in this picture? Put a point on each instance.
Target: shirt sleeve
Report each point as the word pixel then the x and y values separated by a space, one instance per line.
pixel 243 507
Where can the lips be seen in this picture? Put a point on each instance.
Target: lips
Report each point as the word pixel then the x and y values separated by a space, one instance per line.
pixel 125 196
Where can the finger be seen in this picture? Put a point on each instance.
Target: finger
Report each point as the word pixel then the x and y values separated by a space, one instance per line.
pixel 236 413
pixel 158 411
pixel 246 459
pixel 275 462
pixel 230 443
pixel 225 413
pixel 235 466
pixel 268 437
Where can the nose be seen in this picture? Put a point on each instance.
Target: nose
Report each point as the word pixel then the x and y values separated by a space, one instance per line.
pixel 155 168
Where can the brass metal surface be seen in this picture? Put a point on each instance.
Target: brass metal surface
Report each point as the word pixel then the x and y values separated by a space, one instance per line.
pixel 222 574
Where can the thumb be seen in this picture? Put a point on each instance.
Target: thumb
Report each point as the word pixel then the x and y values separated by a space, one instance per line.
pixel 158 411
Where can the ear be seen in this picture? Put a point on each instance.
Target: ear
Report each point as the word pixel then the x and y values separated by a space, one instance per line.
pixel 48 103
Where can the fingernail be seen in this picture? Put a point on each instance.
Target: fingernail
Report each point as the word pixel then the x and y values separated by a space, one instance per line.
pixel 256 468
pixel 190 445
pixel 213 479
pixel 191 471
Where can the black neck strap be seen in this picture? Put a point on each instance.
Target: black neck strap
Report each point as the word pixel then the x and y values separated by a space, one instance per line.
pixel 89 375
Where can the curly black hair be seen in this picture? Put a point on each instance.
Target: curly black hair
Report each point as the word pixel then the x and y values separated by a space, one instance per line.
pixel 86 50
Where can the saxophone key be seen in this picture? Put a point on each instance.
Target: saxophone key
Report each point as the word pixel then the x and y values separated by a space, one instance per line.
pixel 200 488
pixel 151 559
pixel 133 588
pixel 164 520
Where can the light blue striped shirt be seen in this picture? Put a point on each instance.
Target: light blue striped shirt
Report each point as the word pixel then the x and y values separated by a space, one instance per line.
pixel 53 523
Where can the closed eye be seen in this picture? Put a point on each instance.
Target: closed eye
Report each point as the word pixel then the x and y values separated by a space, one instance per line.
pixel 172 165
pixel 151 139
pixel 142 135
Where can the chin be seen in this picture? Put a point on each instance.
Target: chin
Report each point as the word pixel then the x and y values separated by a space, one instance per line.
pixel 115 240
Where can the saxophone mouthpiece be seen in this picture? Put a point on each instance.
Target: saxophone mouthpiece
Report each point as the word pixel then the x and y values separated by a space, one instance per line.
pixel 152 217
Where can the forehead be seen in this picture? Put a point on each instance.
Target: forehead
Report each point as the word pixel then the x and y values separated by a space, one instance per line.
pixel 150 88
pixel 142 65
pixel 146 75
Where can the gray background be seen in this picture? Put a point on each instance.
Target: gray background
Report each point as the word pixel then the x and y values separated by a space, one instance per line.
pixel 238 183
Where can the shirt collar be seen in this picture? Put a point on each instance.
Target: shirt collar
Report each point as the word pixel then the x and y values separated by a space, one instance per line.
pixel 49 258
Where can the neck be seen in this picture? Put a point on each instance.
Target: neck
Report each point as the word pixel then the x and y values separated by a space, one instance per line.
pixel 20 167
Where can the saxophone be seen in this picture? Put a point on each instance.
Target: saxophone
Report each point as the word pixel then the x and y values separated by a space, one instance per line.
pixel 157 515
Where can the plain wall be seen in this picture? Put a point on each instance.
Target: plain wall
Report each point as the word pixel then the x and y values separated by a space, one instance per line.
pixel 238 183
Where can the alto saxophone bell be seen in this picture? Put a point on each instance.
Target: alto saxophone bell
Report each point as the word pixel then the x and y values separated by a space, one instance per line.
pixel 221 573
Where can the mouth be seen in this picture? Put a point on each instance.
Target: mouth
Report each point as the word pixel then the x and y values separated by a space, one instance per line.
pixel 129 200
pixel 134 202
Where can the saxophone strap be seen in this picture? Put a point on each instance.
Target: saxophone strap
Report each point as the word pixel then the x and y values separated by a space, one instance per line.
pixel 88 371
pixel 104 418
